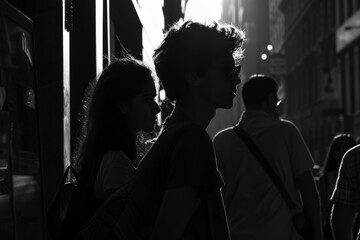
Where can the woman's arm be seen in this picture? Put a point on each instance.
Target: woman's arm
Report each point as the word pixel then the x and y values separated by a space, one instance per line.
pixel 176 210
pixel 342 221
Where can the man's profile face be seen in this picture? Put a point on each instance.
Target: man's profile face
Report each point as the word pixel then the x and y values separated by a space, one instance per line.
pixel 220 81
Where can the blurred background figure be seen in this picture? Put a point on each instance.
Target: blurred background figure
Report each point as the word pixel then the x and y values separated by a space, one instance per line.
pixel 357 140
pixel 328 175
pixel 346 202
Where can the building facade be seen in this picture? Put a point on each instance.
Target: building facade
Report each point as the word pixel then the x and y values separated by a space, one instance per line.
pixel 321 80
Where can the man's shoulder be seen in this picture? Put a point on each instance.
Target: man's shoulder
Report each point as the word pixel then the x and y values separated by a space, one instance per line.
pixel 287 123
pixel 288 126
pixel 224 133
pixel 354 150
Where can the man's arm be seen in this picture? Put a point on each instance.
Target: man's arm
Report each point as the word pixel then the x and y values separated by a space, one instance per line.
pixel 176 210
pixel 310 196
pixel 342 221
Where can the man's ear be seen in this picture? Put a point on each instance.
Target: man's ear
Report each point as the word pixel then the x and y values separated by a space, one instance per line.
pixel 192 79
pixel 122 107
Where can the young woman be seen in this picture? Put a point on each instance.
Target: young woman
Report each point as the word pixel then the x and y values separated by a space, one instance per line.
pixel 117 106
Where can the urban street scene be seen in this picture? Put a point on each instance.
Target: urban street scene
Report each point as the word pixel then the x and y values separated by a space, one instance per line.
pixel 179 119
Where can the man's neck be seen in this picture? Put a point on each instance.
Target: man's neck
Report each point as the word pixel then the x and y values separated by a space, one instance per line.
pixel 195 111
pixel 264 110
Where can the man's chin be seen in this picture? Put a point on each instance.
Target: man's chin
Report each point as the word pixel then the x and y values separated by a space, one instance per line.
pixel 227 105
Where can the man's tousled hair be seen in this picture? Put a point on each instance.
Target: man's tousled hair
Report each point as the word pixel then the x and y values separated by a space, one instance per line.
pixel 190 47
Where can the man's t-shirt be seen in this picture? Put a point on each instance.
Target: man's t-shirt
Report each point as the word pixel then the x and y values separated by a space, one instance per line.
pixel 183 156
pixel 255 208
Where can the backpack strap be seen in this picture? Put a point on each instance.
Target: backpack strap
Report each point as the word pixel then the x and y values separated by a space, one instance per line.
pixel 58 208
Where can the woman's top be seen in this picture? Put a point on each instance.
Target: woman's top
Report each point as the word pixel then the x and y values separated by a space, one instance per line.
pixel 115 170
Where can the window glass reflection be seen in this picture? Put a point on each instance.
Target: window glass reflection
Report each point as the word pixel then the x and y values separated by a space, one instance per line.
pixel 20 195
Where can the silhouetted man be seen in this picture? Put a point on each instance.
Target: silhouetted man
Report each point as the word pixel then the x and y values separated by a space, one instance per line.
pixel 255 208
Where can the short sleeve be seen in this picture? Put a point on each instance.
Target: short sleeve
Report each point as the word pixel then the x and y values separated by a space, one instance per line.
pixel 301 159
pixel 115 170
pixel 192 162
pixel 347 188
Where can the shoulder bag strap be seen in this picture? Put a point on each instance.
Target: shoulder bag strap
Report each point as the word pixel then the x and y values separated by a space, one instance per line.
pixel 265 164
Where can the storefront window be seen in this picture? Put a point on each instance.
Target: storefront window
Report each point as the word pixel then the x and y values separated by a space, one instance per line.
pixel 20 191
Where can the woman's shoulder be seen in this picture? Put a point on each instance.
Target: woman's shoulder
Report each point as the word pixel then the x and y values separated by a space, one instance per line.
pixel 351 157
pixel 116 157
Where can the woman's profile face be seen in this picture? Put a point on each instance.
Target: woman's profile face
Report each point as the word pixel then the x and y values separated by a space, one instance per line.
pixel 143 109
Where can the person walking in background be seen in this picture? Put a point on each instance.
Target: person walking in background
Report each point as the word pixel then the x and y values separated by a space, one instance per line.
pixel 178 195
pixel 346 197
pixel 357 139
pixel 119 104
pixel 254 206
pixel 328 174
